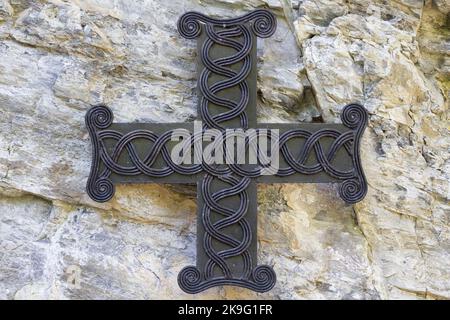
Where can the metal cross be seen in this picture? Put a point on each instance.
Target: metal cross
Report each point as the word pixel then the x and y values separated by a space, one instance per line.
pixel 226 196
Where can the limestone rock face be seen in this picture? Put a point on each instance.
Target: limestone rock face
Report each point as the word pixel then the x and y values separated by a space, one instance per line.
pixel 57 58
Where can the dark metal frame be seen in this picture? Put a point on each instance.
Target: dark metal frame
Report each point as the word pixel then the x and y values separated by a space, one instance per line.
pixel 227 211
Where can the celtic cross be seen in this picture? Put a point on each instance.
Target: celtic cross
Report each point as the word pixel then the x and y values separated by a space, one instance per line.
pixel 226 193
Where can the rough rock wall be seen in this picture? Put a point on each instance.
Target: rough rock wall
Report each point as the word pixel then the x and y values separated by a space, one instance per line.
pixel 57 58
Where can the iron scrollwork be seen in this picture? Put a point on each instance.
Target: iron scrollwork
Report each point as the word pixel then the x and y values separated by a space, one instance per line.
pixel 227 212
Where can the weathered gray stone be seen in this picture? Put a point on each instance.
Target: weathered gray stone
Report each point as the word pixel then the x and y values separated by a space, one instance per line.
pixel 57 58
pixel 5 10
pixel 442 5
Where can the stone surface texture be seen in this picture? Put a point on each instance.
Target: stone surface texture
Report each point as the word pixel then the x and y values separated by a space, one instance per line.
pixel 57 58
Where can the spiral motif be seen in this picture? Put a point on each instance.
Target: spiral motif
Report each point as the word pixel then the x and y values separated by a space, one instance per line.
pixel 144 164
pixel 189 279
pixel 264 277
pixel 352 191
pixel 217 216
pixel 354 115
pixel 101 190
pixel 100 116
pixel 264 23
pixel 188 25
